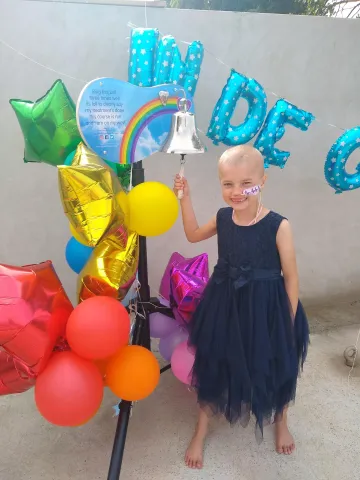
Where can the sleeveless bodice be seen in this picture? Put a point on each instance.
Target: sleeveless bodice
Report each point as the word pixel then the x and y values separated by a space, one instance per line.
pixel 253 246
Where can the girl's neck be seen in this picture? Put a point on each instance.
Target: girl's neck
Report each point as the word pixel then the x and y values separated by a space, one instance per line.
pixel 250 216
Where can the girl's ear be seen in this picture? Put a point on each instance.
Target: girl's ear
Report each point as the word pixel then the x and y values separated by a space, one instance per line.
pixel 263 181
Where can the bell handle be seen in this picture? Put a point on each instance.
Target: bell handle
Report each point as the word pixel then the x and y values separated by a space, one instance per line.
pixel 181 173
pixel 180 89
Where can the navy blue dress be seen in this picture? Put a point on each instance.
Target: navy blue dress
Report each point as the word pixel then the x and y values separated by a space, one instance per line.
pixel 249 348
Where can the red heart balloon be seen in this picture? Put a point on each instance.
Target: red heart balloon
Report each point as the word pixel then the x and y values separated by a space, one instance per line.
pixel 14 375
pixel 34 310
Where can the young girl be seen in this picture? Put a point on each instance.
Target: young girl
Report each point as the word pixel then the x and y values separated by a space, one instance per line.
pixel 249 331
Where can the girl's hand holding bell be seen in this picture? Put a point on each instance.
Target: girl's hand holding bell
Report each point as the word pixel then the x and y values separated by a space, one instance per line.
pixel 181 185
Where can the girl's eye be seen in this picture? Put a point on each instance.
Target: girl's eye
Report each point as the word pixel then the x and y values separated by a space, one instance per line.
pixel 227 185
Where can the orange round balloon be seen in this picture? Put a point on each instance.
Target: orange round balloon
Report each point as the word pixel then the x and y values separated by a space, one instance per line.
pixel 98 327
pixel 133 373
pixel 69 391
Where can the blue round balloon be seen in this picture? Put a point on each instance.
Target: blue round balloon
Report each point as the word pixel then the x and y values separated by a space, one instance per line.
pixel 77 254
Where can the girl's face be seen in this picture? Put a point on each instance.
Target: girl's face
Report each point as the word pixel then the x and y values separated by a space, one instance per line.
pixel 237 177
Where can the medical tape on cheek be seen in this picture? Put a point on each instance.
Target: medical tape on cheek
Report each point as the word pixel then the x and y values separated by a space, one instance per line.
pixel 252 190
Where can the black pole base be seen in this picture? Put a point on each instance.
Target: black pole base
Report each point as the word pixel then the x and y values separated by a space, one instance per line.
pixel 119 441
pixel 166 368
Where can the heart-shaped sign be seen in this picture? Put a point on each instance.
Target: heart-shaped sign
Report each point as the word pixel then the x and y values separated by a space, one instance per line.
pixel 124 123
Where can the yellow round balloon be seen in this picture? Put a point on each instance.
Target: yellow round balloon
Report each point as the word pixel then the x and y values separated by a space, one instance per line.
pixel 77 235
pixel 153 209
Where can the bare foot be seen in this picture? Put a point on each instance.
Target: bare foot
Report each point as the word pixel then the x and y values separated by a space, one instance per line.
pixel 195 452
pixel 284 440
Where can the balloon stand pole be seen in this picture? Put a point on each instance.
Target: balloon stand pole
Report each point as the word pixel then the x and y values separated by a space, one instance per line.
pixel 119 441
pixel 141 337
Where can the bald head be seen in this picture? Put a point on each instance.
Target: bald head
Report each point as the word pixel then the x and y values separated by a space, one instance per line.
pixel 243 155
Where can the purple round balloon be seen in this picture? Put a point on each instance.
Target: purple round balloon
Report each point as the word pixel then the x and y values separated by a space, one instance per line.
pixel 168 344
pixel 178 317
pixel 161 325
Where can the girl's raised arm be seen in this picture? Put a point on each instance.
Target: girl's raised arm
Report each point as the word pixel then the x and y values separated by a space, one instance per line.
pixel 193 232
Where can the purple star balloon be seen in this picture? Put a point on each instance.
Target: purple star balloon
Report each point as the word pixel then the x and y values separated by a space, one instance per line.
pixel 197 266
pixel 186 292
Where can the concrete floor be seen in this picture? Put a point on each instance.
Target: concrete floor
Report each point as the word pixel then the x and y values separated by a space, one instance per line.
pixel 325 422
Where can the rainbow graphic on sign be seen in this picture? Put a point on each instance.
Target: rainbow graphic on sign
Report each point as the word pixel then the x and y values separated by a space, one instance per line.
pixel 124 123
pixel 139 121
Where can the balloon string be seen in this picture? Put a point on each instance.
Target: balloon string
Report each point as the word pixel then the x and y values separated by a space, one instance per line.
pixel 41 64
pixel 145 13
pixel 131 178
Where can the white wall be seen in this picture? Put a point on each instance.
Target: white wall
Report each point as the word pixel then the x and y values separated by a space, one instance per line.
pixel 310 61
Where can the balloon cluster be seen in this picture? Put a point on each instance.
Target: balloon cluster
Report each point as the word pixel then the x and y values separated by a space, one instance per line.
pixel 173 345
pixel 69 391
pixel 69 375
pixel 69 354
pixel 182 285
pixel 106 223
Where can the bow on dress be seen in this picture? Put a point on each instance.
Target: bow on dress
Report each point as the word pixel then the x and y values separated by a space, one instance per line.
pixel 242 275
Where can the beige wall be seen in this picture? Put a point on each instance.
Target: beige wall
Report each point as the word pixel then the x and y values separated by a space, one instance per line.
pixel 310 61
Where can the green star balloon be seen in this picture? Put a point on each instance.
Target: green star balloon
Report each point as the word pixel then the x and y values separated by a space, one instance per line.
pixel 48 125
pixel 122 172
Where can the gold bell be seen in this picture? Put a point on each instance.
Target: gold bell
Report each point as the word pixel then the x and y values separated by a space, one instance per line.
pixel 183 138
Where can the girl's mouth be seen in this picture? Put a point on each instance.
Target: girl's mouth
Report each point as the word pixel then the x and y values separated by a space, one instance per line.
pixel 239 200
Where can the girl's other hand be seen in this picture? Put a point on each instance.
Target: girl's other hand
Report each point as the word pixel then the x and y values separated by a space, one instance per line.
pixel 181 183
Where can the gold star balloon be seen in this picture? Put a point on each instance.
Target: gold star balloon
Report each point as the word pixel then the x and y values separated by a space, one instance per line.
pixel 48 125
pixel 123 172
pixel 112 266
pixel 88 195
pixel 92 197
pixel 84 156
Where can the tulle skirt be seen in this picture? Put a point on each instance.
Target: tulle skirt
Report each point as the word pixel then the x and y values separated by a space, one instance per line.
pixel 249 349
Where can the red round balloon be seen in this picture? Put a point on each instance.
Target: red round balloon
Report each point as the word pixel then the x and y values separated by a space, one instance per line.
pixel 98 328
pixel 69 391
